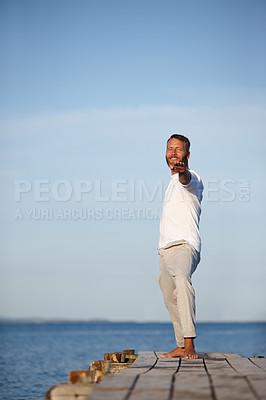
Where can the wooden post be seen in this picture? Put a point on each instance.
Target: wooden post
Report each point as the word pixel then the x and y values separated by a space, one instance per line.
pixel 132 352
pixel 82 376
pixel 114 357
pixel 101 368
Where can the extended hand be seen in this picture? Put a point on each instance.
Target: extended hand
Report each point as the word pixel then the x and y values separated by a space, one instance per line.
pixel 178 167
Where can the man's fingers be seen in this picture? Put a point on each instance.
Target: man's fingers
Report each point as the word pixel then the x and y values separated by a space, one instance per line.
pixel 178 165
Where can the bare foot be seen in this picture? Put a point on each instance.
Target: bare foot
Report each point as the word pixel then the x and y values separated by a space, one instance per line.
pixel 178 352
pixel 189 349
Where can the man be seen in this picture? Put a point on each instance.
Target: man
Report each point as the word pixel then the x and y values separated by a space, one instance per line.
pixel 180 244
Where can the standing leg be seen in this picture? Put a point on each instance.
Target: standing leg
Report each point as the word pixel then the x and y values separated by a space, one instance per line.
pixel 180 262
pixel 167 286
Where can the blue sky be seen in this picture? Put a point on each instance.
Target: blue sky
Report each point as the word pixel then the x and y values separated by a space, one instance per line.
pixel 91 90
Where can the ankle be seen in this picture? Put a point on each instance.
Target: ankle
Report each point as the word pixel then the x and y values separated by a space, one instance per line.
pixel 189 342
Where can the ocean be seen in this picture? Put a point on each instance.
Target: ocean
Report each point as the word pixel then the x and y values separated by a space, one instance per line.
pixel 35 356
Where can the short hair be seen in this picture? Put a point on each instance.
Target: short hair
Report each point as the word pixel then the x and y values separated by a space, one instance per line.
pixel 183 139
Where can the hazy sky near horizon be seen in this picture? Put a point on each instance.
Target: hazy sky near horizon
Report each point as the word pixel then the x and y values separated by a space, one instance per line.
pixel 90 92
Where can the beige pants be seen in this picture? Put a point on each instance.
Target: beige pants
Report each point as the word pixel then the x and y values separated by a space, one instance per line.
pixel 178 261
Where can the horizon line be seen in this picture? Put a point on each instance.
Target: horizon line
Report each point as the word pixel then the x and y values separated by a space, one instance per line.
pixel 39 320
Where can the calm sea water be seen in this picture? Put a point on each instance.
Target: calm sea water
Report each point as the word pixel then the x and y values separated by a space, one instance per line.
pixel 35 356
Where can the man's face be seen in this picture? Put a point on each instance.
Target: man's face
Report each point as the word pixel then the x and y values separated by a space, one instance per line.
pixel 175 152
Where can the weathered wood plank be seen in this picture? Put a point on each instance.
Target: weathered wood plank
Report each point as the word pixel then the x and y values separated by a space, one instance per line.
pixel 143 363
pixel 113 387
pixel 110 394
pixel 231 387
pixel 151 386
pixel 219 366
pixel 150 394
pixel 196 365
pixel 258 383
pixel 156 383
pixel 242 365
pixel 69 391
pixel 118 381
pixel 260 362
pixel 227 376
pixel 192 385
pixel 166 363
pixel 146 359
pixel 216 356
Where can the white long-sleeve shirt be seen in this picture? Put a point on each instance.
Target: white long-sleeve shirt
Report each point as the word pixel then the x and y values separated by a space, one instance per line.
pixel 181 212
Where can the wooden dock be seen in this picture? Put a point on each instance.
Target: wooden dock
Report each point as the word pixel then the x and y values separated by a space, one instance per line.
pixel 213 376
